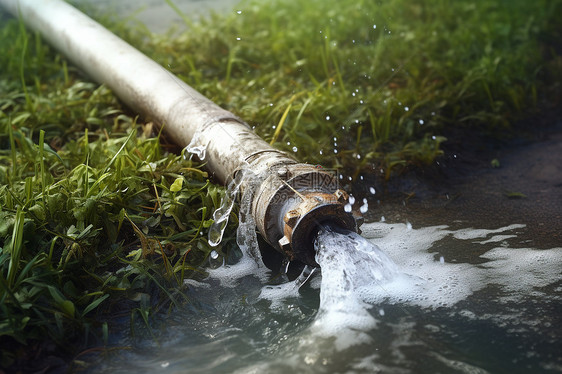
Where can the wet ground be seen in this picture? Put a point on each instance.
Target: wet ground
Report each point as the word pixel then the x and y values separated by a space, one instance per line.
pixel 496 184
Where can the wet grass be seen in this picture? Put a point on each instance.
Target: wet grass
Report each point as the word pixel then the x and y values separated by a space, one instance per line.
pixel 98 217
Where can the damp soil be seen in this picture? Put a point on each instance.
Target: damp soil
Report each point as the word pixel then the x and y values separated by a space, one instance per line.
pixel 487 183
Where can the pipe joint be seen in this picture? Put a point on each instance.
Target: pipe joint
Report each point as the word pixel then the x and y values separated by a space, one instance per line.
pixel 291 205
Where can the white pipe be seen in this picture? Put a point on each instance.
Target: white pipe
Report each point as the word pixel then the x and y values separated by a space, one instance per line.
pixel 143 85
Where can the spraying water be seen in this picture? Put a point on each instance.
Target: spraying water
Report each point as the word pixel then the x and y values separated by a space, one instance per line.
pixel 351 266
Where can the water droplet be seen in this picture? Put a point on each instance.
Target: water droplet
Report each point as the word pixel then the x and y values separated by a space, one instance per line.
pixel 352 200
pixel 372 190
pixel 295 149
pixel 238 38
pixel 347 208
pixel 335 151
pixel 363 209
pixel 327 118
pixel 239 11
pixel 406 108
pixel 421 121
pixel 359 157
pixel 383 219
pixel 408 226
pixel 214 254
pixel 381 312
pixel 374 27
pixel 442 259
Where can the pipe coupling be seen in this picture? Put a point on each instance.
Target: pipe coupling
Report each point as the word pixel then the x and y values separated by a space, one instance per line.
pixel 293 202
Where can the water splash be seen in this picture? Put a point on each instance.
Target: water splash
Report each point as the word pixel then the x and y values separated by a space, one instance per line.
pixel 351 266
pixel 222 214
pixel 251 262
pixel 278 294
pixel 196 147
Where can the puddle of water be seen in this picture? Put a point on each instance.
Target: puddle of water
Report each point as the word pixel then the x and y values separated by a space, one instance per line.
pixel 497 310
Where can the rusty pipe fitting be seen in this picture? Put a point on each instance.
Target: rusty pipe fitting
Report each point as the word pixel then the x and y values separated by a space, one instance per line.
pixel 292 204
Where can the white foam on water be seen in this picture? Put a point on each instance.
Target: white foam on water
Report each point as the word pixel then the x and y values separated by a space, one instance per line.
pixel 357 276
pixel 471 233
pixel 277 294
pixel 229 275
pixel 433 283
pixel 523 270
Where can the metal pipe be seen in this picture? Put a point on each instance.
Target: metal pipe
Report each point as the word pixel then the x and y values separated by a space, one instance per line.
pixel 291 200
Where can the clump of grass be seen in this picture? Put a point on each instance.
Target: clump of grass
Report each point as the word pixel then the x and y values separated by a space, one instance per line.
pixel 95 215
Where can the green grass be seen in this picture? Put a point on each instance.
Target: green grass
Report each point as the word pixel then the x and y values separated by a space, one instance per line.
pixel 386 79
pixel 95 215
pixel 98 215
